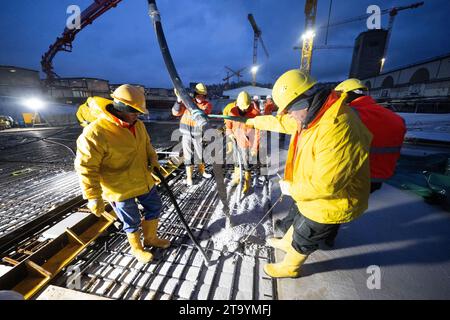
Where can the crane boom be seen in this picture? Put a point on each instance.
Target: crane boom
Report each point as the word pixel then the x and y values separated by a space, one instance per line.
pixel 392 14
pixel 64 43
pixel 392 11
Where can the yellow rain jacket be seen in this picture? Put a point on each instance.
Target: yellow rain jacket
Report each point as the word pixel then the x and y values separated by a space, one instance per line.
pixel 112 162
pixel 88 112
pixel 327 163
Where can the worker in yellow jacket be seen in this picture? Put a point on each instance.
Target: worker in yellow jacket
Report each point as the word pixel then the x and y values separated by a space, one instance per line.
pixel 114 162
pixel 88 112
pixel 327 167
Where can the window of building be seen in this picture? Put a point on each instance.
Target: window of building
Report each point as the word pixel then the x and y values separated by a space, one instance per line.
pixel 421 75
pixel 388 82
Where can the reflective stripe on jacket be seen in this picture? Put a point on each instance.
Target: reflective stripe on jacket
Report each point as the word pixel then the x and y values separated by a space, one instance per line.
pixel 327 163
pixel 111 162
pixel 388 130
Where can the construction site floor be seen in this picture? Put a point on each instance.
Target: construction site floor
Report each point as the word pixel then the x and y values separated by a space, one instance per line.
pixel 400 235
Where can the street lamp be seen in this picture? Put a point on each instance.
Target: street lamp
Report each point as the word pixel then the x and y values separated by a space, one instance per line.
pixel 307 50
pixel 308 35
pixel 383 61
pixel 34 104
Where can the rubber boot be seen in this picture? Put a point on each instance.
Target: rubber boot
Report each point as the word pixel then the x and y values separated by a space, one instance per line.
pixel 201 170
pixel 282 243
pixel 247 182
pixel 189 171
pixel 236 177
pixel 289 267
pixel 150 236
pixel 136 248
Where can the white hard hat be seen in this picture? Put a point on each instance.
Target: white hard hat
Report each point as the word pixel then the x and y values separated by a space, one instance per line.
pixel 255 98
pixel 269 97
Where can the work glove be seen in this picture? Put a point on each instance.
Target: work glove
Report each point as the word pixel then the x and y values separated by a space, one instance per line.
pixel 97 207
pixel 250 123
pixel 285 187
pixel 254 153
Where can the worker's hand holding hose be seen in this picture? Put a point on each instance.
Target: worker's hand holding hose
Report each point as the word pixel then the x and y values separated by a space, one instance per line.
pixel 97 207
pixel 285 187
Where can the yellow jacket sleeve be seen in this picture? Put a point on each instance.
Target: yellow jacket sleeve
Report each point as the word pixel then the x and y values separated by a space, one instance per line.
pixel 80 115
pixel 340 153
pixel 90 153
pixel 283 124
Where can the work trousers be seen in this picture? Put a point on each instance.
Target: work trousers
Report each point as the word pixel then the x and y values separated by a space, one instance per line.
pixel 308 234
pixel 192 149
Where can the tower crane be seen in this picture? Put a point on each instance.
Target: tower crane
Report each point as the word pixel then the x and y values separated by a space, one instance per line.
pixel 392 14
pixel 64 43
pixel 232 73
pixel 257 38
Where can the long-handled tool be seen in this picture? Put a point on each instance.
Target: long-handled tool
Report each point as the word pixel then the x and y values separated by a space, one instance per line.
pixel 180 215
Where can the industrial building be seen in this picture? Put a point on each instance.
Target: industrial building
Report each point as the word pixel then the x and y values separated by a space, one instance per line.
pixel 75 91
pixel 423 86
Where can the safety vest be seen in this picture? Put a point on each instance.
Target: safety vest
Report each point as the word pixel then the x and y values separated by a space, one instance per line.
pixel 388 130
pixel 269 108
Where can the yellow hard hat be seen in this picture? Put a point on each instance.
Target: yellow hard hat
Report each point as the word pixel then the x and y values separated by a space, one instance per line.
pixel 291 85
pixel 350 85
pixel 200 88
pixel 243 101
pixel 131 96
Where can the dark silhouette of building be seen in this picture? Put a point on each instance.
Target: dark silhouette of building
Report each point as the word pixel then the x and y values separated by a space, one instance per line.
pixel 368 53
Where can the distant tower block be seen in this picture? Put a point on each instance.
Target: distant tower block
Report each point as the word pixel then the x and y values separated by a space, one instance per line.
pixel 368 53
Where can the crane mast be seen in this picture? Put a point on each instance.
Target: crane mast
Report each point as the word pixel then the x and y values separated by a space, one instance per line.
pixel 64 42
pixel 308 35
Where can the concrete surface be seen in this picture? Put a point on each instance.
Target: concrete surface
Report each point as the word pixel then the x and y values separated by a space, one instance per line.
pixel 58 293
